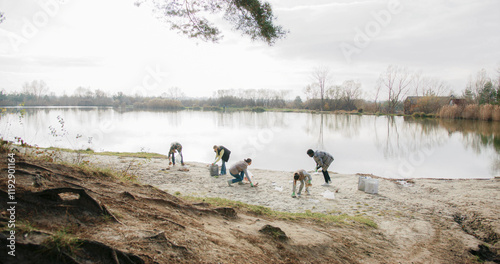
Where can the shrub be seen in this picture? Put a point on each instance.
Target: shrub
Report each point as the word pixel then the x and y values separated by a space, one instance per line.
pixel 211 108
pixel 258 109
pixel 158 103
pixel 418 114
pixel 495 116
pixel 470 112
pixel 452 112
pixel 485 112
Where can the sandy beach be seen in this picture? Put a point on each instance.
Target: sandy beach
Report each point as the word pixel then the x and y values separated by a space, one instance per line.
pixel 413 212
pixel 419 216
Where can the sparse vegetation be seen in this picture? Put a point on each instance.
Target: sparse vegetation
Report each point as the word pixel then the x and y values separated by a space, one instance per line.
pixel 55 155
pixel 142 155
pixel 62 241
pixel 265 211
pixel 25 227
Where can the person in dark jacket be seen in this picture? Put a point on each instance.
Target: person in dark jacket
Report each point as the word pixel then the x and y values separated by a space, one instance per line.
pixel 323 161
pixel 221 153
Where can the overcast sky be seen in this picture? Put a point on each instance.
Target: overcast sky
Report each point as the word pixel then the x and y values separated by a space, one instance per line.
pixel 114 46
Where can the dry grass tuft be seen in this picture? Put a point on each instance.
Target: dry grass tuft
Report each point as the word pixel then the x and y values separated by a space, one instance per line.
pixel 486 112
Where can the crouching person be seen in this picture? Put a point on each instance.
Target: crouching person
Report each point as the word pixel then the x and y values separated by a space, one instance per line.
pixel 239 170
pixel 304 178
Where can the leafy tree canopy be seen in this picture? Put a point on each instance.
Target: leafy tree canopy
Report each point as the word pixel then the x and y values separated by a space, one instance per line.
pixel 251 17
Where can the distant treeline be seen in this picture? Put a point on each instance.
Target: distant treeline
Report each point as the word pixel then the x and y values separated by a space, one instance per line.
pixel 52 100
pixel 480 101
pixel 222 99
pixel 239 99
pixel 398 90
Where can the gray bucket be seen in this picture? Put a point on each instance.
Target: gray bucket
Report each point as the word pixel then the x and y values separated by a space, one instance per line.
pixel 214 170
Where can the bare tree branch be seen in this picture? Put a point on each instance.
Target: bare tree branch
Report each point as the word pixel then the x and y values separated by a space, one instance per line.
pixel 396 82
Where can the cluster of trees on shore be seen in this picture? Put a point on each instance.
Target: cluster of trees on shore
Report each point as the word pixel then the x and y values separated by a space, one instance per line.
pixel 394 85
pixel 482 95
pixel 398 83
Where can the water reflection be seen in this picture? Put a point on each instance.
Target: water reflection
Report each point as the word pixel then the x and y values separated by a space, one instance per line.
pixel 405 136
pixel 408 147
pixel 477 134
pixel 387 146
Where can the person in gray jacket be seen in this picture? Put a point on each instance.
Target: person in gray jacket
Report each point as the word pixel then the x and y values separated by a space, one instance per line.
pixel 239 170
pixel 323 161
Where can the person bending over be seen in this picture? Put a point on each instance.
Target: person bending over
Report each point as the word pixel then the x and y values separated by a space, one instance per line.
pixel 221 153
pixel 176 146
pixel 303 177
pixel 323 161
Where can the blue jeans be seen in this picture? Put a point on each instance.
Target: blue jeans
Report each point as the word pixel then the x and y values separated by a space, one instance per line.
pixel 239 177
pixel 223 168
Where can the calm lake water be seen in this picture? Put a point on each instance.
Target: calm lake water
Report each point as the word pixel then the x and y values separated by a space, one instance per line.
pixel 392 147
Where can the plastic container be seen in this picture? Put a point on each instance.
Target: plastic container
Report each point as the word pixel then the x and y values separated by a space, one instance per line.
pixel 371 186
pixel 361 182
pixel 214 170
